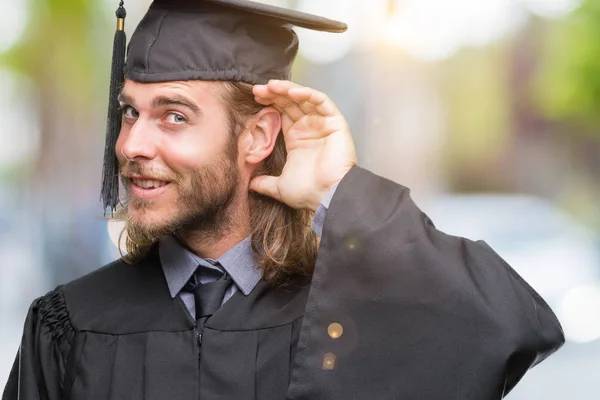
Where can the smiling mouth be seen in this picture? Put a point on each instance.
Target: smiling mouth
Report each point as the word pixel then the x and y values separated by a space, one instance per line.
pixel 148 183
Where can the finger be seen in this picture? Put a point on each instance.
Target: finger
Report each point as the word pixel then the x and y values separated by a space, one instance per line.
pixel 322 103
pixel 279 86
pixel 266 185
pixel 259 90
pixel 275 88
pixel 286 122
pixel 281 102
pixel 263 95
pixel 295 99
pixel 307 108
pixel 288 107
pixel 282 88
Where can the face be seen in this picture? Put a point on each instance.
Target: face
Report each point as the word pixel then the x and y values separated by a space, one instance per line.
pixel 178 157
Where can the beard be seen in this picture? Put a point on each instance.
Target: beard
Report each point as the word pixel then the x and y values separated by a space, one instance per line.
pixel 200 208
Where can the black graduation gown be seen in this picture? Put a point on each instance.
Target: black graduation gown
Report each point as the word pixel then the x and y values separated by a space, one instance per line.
pixel 424 315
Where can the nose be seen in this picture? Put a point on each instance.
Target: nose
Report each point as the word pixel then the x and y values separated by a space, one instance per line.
pixel 135 142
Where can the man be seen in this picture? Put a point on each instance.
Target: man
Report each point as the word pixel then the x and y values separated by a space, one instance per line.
pixel 226 291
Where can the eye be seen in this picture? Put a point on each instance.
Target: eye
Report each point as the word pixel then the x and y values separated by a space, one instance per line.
pixel 176 119
pixel 130 112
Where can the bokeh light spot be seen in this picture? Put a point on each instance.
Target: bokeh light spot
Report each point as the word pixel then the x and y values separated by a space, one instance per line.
pixel 335 330
pixel 329 362
pixel 13 21
pixel 578 313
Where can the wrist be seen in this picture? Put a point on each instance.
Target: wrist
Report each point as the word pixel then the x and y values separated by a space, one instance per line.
pixel 323 198
pixel 315 200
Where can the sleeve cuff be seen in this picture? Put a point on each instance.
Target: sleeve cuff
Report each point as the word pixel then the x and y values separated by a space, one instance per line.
pixel 319 218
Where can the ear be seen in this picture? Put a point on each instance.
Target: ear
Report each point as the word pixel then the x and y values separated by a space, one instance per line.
pixel 261 135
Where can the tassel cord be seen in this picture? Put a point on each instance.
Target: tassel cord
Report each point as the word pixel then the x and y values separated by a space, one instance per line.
pixel 110 174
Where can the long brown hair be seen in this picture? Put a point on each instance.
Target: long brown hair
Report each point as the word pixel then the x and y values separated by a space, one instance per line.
pixel 282 237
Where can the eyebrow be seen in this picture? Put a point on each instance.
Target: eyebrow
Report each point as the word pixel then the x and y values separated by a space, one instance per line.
pixel 162 101
pixel 124 98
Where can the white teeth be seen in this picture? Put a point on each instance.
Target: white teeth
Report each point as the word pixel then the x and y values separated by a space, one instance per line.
pixel 148 183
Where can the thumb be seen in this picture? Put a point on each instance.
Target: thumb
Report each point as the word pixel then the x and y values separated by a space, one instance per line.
pixel 266 185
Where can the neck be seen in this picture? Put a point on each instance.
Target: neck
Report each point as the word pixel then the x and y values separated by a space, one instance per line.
pixel 232 227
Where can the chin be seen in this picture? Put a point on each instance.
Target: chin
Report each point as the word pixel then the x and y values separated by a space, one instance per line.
pixel 150 216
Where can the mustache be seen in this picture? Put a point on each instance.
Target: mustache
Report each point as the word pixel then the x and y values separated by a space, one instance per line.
pixel 134 168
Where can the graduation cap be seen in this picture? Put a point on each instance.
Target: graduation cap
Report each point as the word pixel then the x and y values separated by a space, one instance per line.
pixel 224 40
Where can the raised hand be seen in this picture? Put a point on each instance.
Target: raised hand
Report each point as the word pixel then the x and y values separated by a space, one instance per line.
pixel 318 142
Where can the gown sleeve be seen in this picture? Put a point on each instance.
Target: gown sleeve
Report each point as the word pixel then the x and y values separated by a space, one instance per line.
pixel 400 310
pixel 39 367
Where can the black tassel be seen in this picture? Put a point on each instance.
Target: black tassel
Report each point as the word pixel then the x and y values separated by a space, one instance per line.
pixel 110 173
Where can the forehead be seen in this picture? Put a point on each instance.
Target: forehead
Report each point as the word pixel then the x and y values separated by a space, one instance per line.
pixel 203 93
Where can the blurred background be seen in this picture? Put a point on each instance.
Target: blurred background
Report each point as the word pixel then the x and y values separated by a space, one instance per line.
pixel 488 110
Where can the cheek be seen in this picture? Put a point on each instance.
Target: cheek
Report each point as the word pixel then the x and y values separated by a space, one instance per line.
pixel 186 156
pixel 192 150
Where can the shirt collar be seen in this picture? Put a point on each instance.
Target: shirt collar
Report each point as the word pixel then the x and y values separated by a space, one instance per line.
pixel 179 264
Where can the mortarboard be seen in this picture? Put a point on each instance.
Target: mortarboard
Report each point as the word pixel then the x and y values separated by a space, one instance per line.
pixel 224 40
